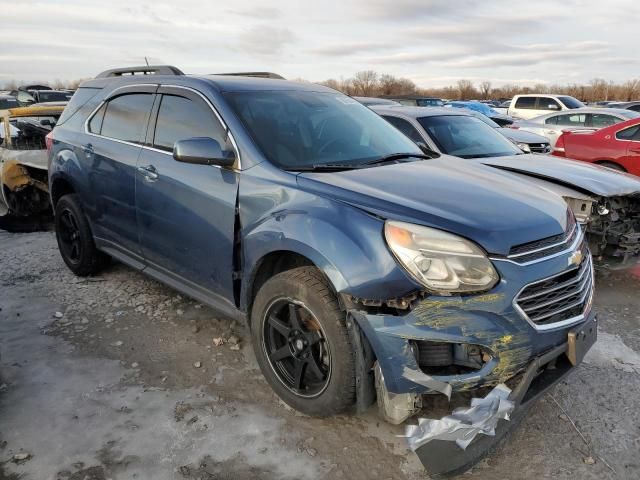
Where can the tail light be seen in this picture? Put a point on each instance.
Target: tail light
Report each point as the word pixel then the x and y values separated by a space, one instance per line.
pixel 48 139
pixel 559 150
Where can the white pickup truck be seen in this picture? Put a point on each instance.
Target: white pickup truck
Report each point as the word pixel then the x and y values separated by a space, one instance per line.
pixel 533 105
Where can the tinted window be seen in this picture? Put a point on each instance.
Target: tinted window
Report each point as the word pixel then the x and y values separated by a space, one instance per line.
pixel 301 128
pixel 429 102
pixel 635 108
pixel 8 102
pixel 572 120
pixel 406 128
pixel 631 133
pixel 467 137
pixel 82 96
pixel 180 118
pixel 53 96
pixel 126 117
pixel 526 102
pixel 546 103
pixel 552 120
pixel 571 102
pixel 600 120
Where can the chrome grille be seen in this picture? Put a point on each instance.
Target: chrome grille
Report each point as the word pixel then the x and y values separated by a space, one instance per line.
pixel 539 147
pixel 560 299
pixel 546 247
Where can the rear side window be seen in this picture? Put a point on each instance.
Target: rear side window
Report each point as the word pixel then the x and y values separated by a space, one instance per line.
pixel 180 118
pixel 635 108
pixel 406 128
pixel 125 117
pixel 572 120
pixel 600 120
pixel 526 102
pixel 631 133
pixel 81 97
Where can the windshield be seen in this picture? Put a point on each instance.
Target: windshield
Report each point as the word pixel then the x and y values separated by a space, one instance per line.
pixel 467 137
pixel 571 102
pixel 296 129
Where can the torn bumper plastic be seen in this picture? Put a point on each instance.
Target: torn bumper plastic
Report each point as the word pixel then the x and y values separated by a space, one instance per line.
pixel 456 442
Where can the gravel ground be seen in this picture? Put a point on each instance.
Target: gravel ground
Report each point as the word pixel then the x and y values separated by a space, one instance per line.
pixel 119 377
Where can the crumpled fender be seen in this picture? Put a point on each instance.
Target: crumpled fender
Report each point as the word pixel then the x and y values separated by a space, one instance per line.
pixel 345 243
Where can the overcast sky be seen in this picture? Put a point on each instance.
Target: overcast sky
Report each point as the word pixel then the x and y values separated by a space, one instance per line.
pixel 433 42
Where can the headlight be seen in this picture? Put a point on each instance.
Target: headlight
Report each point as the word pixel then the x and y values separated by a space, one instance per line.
pixel 442 262
pixel 524 147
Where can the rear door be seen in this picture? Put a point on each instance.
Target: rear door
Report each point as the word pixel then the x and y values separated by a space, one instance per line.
pixel 186 212
pixel 110 150
pixel 631 161
pixel 565 121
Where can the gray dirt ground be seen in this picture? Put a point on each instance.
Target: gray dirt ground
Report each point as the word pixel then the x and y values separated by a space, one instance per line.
pixel 110 390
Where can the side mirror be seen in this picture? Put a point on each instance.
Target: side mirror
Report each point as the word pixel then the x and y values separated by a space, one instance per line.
pixel 553 107
pixel 202 151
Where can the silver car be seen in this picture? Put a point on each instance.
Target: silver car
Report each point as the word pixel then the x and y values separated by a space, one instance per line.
pixel 551 125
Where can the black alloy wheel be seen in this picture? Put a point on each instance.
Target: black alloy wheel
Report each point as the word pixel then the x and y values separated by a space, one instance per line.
pixel 296 348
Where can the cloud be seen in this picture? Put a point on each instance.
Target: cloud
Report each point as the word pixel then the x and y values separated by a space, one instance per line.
pixel 260 12
pixel 340 49
pixel 400 10
pixel 265 40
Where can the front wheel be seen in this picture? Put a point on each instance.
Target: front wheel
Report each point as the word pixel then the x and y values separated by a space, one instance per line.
pixel 302 344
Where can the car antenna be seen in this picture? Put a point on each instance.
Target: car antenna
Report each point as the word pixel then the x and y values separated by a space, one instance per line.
pixel 146 60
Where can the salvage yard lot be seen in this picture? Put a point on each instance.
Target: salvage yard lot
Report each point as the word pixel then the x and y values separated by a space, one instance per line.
pixel 117 376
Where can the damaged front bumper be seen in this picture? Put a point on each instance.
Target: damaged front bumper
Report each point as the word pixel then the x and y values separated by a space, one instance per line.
pixel 452 345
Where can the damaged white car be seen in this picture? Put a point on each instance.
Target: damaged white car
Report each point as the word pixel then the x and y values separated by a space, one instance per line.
pixel 23 159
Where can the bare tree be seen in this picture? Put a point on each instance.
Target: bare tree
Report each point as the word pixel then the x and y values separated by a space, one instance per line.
pixel 466 90
pixel 485 89
pixel 630 89
pixel 365 82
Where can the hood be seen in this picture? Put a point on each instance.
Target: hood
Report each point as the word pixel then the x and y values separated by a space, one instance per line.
pixel 583 176
pixel 521 136
pixel 464 197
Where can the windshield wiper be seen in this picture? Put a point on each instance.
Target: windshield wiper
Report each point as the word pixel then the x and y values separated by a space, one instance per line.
pixel 327 167
pixel 396 156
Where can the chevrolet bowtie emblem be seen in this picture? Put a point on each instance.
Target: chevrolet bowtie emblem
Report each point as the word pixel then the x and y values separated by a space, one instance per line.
pixel 576 258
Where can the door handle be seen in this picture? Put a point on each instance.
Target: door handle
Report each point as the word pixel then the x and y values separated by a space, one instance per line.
pixel 635 150
pixel 149 172
pixel 550 132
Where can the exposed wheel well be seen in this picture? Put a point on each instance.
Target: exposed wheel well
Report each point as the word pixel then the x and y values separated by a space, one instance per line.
pixel 272 264
pixel 59 189
pixel 612 165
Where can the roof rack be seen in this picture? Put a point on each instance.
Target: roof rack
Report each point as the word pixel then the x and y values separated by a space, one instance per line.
pixel 143 70
pixel 253 74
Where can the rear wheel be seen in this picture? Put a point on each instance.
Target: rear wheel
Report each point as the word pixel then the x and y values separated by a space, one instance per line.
pixel 75 240
pixel 302 344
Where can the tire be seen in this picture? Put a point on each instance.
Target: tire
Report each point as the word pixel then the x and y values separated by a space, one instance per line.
pixel 304 290
pixel 612 166
pixel 75 240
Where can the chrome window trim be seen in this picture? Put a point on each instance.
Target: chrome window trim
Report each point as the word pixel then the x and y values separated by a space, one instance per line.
pixel 564 323
pixel 571 248
pixel 146 147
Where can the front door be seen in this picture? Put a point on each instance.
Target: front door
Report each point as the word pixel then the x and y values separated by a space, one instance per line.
pixel 186 212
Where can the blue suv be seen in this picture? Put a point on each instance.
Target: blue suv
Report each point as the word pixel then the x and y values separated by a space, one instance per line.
pixel 363 265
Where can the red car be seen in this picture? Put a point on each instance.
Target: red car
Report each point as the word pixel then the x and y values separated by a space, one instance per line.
pixel 617 146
